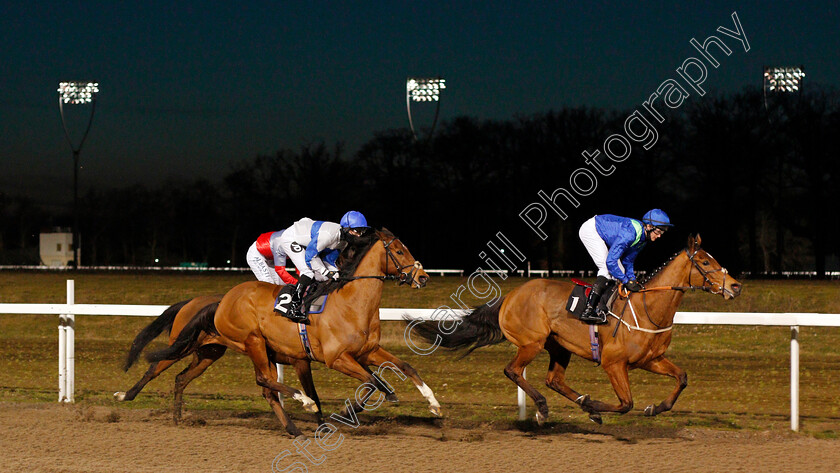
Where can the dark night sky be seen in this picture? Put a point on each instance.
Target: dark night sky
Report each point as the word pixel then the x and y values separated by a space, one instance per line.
pixel 188 87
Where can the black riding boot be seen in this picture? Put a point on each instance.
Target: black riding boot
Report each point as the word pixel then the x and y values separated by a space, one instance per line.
pixel 296 311
pixel 590 314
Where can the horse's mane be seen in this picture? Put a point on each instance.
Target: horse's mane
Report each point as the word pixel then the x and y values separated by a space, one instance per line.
pixel 648 276
pixel 349 260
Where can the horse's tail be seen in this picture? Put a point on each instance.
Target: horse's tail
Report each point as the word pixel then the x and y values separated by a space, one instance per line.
pixel 477 329
pixel 185 343
pixel 162 322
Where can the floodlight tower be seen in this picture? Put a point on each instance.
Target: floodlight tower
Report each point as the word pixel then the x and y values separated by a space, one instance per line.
pixel 76 93
pixel 423 90
pixel 781 81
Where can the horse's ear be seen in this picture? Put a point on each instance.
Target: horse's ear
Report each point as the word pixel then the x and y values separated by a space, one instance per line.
pixel 690 244
pixel 697 240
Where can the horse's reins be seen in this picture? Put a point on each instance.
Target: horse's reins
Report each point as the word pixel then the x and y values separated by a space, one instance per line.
pixel 721 288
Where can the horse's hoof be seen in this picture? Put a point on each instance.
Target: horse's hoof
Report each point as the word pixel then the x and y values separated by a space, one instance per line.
pixel 541 418
pixel 391 397
pixel 435 410
pixel 308 404
pixel 119 396
pixel 650 411
pixel 596 417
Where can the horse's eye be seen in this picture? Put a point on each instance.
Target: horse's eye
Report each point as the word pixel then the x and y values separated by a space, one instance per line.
pixel 399 252
pixel 706 263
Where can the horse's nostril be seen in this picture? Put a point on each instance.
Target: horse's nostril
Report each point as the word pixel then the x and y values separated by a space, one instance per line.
pixel 736 288
pixel 422 280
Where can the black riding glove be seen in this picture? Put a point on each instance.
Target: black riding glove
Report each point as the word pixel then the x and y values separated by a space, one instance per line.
pixel 633 286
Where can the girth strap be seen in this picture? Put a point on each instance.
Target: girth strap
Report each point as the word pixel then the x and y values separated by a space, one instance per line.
pixel 304 340
pixel 594 345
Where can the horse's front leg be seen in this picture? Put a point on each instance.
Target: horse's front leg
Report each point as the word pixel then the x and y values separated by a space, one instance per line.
pixel 662 365
pixel 619 378
pixel 385 360
pixel 304 373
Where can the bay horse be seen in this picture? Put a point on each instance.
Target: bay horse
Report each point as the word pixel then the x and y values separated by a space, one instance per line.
pixel 345 336
pixel 533 317
pixel 206 351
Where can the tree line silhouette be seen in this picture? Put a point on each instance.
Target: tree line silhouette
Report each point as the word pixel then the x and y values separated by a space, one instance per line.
pixel 757 176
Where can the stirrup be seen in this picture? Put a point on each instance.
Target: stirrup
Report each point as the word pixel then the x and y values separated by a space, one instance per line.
pixel 297 317
pixel 597 318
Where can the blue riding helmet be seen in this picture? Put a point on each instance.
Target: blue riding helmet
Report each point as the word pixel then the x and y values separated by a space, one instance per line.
pixel 658 219
pixel 353 219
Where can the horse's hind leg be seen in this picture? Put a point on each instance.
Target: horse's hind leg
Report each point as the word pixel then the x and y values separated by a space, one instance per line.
pixel 664 366
pixel 155 369
pixel 385 360
pixel 203 357
pixel 524 355
pixel 556 377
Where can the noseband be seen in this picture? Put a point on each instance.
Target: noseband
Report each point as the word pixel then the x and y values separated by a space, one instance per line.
pixel 404 277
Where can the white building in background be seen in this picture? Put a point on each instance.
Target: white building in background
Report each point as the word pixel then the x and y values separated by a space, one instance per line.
pixel 56 249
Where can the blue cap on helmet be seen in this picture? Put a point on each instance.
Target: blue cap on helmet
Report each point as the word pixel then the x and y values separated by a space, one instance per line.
pixel 657 218
pixel 353 219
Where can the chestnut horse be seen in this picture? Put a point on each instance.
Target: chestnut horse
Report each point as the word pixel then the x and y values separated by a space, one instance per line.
pixel 206 350
pixel 533 317
pixel 345 336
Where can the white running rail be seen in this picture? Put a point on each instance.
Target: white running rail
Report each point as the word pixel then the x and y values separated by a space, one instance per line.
pixel 68 311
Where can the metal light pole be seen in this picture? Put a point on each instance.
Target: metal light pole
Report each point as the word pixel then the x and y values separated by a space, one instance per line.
pixel 76 93
pixel 423 90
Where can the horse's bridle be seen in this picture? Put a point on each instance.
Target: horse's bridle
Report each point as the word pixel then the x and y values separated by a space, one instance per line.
pixel 404 277
pixel 708 284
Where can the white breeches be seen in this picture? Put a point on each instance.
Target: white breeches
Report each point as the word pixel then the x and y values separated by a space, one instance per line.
pixel 259 265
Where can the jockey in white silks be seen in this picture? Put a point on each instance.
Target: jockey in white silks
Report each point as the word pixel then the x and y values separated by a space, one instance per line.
pixel 314 246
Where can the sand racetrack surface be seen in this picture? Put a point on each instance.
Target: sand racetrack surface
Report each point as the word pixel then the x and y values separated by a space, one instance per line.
pixel 40 437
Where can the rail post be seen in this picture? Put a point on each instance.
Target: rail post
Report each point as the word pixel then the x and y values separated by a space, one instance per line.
pixel 67 348
pixel 794 378
pixel 280 380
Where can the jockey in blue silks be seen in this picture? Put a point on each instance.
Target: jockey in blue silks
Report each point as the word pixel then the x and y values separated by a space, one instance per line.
pixel 613 242
pixel 314 246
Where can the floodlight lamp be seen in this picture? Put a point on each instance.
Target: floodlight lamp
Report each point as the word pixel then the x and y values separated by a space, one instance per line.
pixel 78 92
pixel 418 89
pixel 424 89
pixel 783 79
